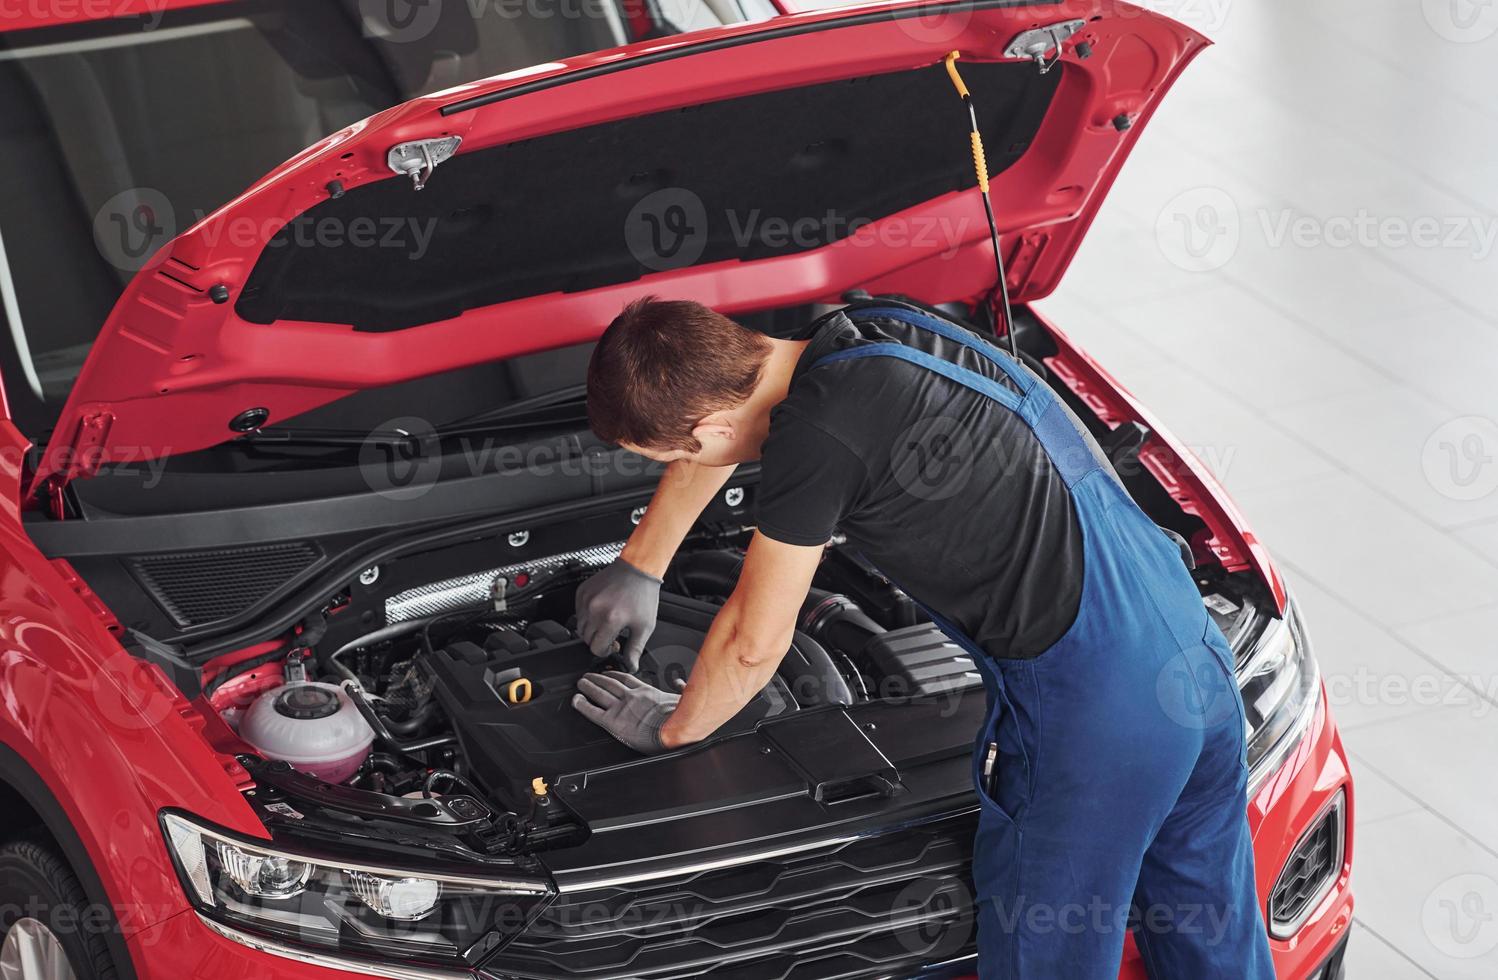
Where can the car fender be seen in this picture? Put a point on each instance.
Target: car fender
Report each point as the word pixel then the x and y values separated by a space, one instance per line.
pixel 95 740
pixel 107 735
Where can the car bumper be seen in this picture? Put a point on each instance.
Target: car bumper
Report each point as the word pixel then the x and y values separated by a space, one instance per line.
pixel 1283 808
pixel 188 947
pixel 1287 806
pixel 1288 803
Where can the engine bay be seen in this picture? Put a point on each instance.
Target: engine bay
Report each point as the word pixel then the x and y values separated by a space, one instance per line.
pixel 442 705
pixel 429 699
pixel 464 691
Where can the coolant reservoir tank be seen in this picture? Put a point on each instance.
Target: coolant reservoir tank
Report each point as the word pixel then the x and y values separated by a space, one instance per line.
pixel 314 727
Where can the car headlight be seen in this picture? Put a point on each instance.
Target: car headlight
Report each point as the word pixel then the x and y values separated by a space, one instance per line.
pixel 305 902
pixel 1280 683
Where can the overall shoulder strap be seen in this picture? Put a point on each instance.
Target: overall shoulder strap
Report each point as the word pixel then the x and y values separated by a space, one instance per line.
pixel 1035 404
pixel 969 379
pixel 1022 379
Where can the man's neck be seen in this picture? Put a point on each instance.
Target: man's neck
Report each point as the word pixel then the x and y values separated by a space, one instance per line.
pixel 780 368
pixel 774 385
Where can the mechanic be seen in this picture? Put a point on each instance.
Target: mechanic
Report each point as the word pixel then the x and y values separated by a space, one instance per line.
pixel 965 479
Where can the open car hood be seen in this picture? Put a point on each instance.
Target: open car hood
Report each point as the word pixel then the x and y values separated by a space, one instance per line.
pixel 746 167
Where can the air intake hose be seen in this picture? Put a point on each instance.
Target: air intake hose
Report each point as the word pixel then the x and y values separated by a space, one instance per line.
pixel 705 573
pixel 836 621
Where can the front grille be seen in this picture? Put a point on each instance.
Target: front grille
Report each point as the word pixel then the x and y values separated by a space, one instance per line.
pixel 196 587
pixel 1309 873
pixel 876 906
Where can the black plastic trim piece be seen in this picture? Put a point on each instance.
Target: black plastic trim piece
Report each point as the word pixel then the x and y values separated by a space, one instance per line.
pixel 447 812
pixel 415 538
pixel 296 520
pixel 186 676
pixel 431 521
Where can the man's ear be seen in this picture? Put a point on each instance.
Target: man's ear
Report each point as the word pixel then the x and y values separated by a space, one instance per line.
pixel 713 427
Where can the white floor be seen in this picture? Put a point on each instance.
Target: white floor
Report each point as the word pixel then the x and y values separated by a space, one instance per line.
pixel 1298 271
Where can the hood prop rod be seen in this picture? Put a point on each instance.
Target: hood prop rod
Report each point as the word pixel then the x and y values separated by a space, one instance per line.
pixel 980 165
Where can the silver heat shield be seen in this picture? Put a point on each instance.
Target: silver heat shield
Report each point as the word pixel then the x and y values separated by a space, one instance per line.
pixel 477 587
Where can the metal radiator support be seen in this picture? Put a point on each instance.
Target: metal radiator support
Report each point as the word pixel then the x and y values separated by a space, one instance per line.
pixel 477 587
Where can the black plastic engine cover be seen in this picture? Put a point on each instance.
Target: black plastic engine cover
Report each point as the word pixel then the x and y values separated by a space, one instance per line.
pixel 920 661
pixel 507 745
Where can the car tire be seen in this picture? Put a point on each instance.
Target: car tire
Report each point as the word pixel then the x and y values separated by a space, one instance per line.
pixel 41 902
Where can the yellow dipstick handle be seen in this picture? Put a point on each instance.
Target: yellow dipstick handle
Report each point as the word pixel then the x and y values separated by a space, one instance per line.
pixel 951 61
pixel 980 165
pixel 519 691
pixel 1001 286
pixel 538 786
pixel 979 162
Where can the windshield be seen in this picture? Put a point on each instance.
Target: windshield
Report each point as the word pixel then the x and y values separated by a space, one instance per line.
pixel 122 133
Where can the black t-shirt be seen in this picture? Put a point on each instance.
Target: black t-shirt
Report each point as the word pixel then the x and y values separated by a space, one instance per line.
pixel 946 491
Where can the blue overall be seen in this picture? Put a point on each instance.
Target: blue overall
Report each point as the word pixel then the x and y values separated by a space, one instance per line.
pixel 1110 769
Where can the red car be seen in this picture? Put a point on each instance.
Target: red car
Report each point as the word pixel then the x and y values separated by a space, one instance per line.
pixel 296 484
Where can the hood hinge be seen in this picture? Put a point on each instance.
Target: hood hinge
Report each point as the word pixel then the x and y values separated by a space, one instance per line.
pixel 79 456
pixel 418 158
pixel 1022 262
pixel 1034 43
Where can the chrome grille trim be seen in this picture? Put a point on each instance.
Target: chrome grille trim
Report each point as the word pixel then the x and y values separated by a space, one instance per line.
pixel 477 587
pixel 873 904
pixel 1283 924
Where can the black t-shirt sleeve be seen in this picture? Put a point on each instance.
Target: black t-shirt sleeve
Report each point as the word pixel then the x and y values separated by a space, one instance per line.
pixel 809 481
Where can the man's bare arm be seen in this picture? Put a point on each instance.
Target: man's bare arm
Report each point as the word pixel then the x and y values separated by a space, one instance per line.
pixel 684 490
pixel 748 639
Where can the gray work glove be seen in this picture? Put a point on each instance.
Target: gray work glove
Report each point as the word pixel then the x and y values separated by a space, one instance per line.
pixel 617 598
pixel 625 707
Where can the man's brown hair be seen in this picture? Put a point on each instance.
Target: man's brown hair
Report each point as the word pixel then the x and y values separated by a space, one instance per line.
pixel 664 365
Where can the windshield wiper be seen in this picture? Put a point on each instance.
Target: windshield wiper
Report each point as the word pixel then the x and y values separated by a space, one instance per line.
pixel 328 438
pixel 559 405
pixel 564 406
